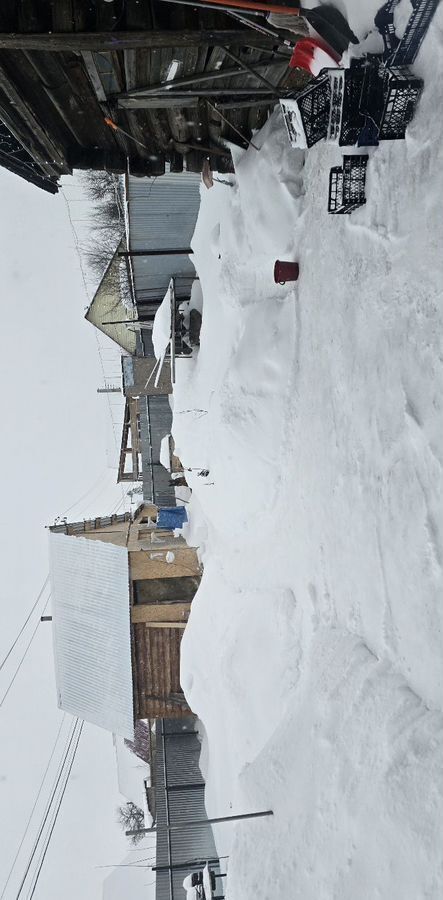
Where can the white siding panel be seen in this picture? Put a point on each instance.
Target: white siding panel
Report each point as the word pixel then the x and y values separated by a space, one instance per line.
pixel 91 629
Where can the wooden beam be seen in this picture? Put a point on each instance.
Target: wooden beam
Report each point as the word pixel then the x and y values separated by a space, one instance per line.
pixel 166 613
pixel 55 153
pixel 181 625
pixel 79 41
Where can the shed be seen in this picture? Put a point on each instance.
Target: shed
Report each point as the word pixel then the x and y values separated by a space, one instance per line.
pixel 119 611
pixel 71 71
pixel 108 312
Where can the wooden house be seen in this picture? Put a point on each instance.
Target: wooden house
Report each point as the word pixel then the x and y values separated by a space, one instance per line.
pixel 121 592
pixel 129 86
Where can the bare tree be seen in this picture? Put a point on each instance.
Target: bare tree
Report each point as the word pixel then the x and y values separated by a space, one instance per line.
pixel 105 191
pixel 131 817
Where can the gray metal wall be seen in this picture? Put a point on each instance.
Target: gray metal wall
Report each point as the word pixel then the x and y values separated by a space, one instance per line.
pixel 162 214
pixel 177 757
pixel 155 424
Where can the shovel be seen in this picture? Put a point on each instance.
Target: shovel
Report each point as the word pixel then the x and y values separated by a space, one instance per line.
pixel 326 20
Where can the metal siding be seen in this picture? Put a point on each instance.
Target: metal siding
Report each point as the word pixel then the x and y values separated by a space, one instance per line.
pixel 182 753
pixel 91 631
pixel 162 213
pixel 155 424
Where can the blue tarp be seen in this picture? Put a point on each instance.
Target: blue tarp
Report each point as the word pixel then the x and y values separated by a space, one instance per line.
pixel 171 517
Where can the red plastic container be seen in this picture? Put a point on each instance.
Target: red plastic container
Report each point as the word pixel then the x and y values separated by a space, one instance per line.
pixel 313 54
pixel 285 271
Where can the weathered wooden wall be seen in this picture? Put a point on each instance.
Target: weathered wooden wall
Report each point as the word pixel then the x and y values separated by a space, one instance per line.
pixel 156 672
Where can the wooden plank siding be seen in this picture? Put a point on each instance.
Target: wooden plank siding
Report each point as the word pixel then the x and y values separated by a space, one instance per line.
pixel 69 60
pixel 156 674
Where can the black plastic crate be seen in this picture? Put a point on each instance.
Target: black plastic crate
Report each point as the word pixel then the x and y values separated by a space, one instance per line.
pixel 402 90
pixel 409 45
pixel 352 121
pixel 347 185
pixel 314 104
pixel 384 21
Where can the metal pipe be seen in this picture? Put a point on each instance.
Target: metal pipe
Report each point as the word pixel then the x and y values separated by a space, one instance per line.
pixel 187 824
pixel 197 78
pixel 179 252
pixel 208 92
pixel 247 68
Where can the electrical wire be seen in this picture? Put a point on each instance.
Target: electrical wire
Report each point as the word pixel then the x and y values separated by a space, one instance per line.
pixel 83 496
pixel 37 797
pixel 50 802
pixel 86 290
pixel 57 810
pixel 23 657
pixel 24 623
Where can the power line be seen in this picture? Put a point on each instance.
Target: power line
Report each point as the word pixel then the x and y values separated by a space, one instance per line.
pixel 33 808
pixel 86 290
pixel 50 802
pixel 83 496
pixel 24 623
pixel 23 657
pixel 48 840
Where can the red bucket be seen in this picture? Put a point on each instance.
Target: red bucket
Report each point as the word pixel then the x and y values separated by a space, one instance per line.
pixel 285 271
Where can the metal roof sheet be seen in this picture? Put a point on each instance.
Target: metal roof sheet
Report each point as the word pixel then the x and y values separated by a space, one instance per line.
pixel 91 631
pixel 162 213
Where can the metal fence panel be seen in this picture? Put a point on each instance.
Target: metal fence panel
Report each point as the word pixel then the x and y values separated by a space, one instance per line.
pixel 155 424
pixel 162 213
pixel 177 758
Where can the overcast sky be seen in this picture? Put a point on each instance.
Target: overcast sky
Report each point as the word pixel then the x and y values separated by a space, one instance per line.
pixel 54 455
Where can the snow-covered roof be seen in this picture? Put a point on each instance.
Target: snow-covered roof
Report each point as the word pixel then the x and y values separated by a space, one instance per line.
pixel 91 631
pixel 161 331
pixel 131 772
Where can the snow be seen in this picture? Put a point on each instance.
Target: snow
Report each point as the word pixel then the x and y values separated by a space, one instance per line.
pixel 319 526
pixel 161 330
pixel 165 457
pixel 131 774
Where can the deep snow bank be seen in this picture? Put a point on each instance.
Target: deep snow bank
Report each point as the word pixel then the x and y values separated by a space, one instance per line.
pixel 313 651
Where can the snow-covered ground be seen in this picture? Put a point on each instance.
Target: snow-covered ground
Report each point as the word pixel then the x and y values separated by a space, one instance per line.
pixel 313 653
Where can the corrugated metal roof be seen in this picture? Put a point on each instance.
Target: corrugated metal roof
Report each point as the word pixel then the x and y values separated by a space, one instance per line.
pixel 91 631
pixel 162 213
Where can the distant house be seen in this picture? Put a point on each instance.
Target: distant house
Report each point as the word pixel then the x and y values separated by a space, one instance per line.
pixel 121 594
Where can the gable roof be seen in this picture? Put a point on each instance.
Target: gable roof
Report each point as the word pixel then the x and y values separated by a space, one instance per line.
pixel 91 631
pixel 107 307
